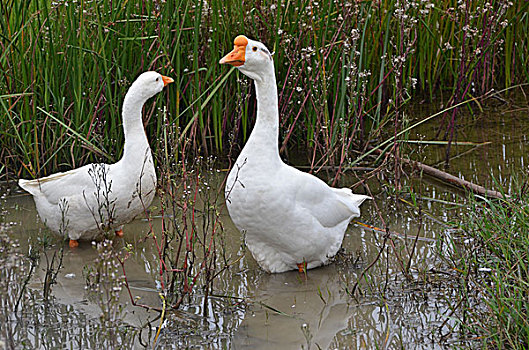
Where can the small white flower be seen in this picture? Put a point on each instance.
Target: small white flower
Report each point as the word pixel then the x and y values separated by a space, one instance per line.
pixel 448 46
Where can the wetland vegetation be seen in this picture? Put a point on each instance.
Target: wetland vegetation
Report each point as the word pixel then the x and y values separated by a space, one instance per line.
pixel 363 86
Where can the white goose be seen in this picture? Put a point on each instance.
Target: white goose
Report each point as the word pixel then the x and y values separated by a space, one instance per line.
pixel 292 220
pixel 82 202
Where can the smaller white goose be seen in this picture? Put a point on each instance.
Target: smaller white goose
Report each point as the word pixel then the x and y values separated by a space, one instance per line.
pixel 81 202
pixel 292 220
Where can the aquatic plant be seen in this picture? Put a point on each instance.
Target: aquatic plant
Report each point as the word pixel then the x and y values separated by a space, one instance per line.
pixel 491 269
pixel 188 245
pixel 345 70
pixel 190 249
pixel 31 319
pixel 104 283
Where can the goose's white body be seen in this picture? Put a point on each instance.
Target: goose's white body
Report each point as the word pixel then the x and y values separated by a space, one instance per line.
pixel 288 217
pixel 82 202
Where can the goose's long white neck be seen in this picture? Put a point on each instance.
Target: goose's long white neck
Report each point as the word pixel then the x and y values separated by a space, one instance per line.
pixel 136 143
pixel 265 134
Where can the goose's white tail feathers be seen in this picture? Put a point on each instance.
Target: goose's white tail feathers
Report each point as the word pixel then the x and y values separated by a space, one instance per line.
pixel 353 201
pixel 34 186
pixel 31 186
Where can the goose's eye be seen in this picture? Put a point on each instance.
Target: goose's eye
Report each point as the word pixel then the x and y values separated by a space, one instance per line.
pixel 158 79
pixel 254 48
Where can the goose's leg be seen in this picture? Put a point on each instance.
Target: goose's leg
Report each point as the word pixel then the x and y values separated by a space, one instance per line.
pixel 302 267
pixel 73 243
pixel 119 231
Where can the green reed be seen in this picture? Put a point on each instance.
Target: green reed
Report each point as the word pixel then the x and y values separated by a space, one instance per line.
pixel 345 71
pixel 492 270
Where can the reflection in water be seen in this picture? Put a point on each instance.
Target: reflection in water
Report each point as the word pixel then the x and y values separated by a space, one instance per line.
pixel 252 309
pixel 313 310
pixel 499 162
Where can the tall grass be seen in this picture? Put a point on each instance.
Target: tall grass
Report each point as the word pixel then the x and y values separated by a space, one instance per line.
pixel 344 70
pixel 492 270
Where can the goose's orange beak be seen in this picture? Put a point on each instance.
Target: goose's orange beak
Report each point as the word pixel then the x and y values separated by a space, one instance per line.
pixel 166 80
pixel 236 57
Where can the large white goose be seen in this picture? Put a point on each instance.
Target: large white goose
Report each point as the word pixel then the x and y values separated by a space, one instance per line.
pixel 82 202
pixel 291 220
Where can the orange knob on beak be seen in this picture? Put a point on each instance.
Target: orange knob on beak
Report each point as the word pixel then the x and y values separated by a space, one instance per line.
pixel 236 57
pixel 166 80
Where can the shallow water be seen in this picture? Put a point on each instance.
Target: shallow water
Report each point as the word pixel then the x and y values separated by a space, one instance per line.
pixel 289 310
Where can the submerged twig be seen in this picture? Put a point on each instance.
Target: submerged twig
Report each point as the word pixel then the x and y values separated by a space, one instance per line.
pixel 162 318
pixel 453 180
pixel 362 274
pixel 393 233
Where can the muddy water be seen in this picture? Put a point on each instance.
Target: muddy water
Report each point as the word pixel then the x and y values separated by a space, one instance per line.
pixel 290 311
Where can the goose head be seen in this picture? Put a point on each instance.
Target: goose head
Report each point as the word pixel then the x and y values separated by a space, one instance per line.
pixel 251 57
pixel 149 84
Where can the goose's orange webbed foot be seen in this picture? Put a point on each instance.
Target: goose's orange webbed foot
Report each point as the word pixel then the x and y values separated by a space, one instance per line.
pixel 302 267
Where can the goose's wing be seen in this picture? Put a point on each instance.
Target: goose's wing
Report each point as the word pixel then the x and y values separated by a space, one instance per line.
pixel 71 183
pixel 330 206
